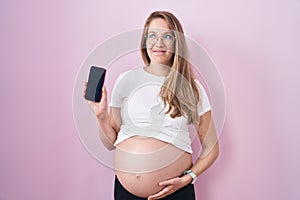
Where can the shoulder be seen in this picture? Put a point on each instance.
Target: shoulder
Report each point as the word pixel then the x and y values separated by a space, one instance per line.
pixel 199 85
pixel 128 78
pixel 130 73
pixel 202 91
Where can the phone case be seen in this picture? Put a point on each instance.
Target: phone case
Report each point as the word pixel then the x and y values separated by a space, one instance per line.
pixel 95 84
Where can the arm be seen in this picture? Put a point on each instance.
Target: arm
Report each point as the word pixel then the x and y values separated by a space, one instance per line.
pixel 210 145
pixel 109 124
pixel 210 151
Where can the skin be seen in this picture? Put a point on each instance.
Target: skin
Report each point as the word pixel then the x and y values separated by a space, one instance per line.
pixel 159 53
pixel 109 123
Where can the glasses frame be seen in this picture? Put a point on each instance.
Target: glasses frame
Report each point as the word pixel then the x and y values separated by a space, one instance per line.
pixel 161 37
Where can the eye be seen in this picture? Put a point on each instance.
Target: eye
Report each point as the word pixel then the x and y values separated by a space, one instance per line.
pixel 152 36
pixel 168 36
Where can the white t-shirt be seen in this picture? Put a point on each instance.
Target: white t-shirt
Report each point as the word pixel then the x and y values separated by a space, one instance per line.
pixel 137 93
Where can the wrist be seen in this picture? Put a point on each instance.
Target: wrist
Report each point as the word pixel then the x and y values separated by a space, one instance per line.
pixel 187 179
pixel 102 117
pixel 191 174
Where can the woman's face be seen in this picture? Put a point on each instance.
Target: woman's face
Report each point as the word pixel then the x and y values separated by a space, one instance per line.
pixel 160 42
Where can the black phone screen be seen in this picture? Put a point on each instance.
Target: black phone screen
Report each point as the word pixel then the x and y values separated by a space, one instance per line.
pixel 95 84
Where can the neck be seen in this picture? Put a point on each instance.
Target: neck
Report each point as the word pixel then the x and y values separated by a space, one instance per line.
pixel 159 69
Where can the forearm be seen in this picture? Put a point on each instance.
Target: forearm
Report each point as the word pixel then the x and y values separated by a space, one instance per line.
pixel 107 133
pixel 210 144
pixel 206 160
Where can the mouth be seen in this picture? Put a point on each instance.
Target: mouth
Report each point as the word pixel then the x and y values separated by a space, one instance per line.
pixel 159 52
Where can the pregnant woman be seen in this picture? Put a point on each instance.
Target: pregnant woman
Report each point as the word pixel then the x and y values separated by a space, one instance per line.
pixel 147 124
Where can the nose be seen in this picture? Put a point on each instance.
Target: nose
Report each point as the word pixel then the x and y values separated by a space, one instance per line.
pixel 159 42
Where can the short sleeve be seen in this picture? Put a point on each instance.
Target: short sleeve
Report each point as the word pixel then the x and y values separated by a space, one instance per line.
pixel 116 93
pixel 204 105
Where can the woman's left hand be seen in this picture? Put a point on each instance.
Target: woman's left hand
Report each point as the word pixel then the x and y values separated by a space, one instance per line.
pixel 171 186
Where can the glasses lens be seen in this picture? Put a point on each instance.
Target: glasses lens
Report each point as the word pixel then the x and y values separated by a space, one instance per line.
pixel 166 38
pixel 151 38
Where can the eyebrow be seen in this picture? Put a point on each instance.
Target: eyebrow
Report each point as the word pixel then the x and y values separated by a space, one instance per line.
pixel 162 33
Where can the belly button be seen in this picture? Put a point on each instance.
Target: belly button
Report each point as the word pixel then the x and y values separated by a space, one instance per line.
pixel 138 176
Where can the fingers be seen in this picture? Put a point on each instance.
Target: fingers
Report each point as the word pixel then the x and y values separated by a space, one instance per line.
pixel 163 193
pixel 104 94
pixel 170 182
pixel 84 88
pixel 170 186
pixel 96 107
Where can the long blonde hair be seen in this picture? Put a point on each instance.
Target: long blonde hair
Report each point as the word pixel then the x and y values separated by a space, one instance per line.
pixel 179 90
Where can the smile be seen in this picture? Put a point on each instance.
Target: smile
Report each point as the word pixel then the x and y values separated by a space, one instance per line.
pixel 159 52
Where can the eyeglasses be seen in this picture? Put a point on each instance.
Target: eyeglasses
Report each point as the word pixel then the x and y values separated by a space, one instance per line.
pixel 167 38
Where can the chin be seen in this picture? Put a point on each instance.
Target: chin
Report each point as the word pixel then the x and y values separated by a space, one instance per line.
pixel 161 62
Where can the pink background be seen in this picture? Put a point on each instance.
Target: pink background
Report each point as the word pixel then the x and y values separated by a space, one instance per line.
pixel 255 45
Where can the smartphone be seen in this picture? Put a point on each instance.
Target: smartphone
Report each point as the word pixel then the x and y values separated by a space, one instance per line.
pixel 95 84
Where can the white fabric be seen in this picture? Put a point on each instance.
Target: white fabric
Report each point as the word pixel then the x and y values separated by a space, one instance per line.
pixel 137 93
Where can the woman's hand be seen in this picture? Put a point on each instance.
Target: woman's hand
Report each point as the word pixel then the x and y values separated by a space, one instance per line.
pixel 171 186
pixel 99 108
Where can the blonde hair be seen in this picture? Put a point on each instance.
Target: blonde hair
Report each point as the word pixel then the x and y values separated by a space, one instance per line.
pixel 179 90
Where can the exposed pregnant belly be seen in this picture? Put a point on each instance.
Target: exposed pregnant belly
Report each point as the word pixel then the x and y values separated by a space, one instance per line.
pixel 141 163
